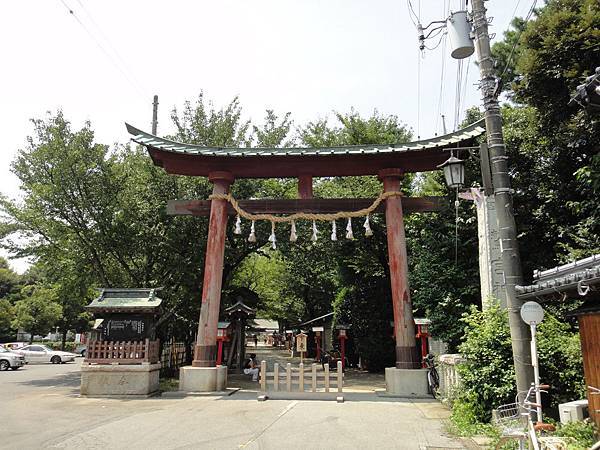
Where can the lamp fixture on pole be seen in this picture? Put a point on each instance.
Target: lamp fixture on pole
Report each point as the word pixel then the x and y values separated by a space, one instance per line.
pixel 454 172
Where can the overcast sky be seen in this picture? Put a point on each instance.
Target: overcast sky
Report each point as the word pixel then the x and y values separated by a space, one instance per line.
pixel 309 57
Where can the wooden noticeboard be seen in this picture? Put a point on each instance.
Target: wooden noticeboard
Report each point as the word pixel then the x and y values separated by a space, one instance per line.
pixel 301 342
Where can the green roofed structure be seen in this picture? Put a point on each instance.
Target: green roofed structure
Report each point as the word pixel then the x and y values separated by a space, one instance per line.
pixel 124 357
pixel 125 300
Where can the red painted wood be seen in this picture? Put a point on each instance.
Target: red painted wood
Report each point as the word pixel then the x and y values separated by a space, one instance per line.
pixel 213 266
pixel 295 166
pixel 343 350
pixel 312 205
pixel 305 186
pixel 404 328
pixel 318 343
pixel 220 352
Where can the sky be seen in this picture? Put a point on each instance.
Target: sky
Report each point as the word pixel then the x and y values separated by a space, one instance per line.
pixel 106 60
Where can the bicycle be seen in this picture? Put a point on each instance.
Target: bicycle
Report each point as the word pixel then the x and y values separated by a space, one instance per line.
pixel 516 418
pixel 433 378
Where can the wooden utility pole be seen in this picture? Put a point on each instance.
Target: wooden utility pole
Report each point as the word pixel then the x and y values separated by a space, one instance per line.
pixel 511 260
pixel 155 115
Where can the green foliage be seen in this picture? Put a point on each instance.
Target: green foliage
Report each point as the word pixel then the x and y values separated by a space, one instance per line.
pixel 67 347
pixel 583 433
pixel 266 274
pixel 94 217
pixel 443 287
pixel 548 142
pixel 367 306
pixel 488 375
pixel 464 420
pixel 38 312
pixel 7 315
pixel 561 362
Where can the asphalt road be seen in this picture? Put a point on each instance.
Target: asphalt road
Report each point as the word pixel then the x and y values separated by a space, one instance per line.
pixel 40 407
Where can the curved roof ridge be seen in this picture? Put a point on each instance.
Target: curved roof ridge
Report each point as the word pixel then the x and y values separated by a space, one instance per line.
pixel 149 140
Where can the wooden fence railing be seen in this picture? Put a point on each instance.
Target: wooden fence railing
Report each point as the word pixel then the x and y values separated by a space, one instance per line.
pixel 310 379
pixel 173 357
pixel 116 352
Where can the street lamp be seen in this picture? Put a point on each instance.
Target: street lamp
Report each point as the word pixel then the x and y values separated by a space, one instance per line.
pixel 454 172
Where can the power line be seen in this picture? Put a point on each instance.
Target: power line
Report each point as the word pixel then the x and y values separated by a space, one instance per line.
pixel 512 50
pixel 112 47
pixel 464 89
pixel 106 53
pixel 442 84
pixel 457 90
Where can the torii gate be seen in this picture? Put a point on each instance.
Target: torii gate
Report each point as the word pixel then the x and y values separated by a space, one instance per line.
pixel 223 165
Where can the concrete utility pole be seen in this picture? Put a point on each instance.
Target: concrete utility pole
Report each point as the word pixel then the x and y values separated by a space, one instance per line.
pixel 511 260
pixel 155 115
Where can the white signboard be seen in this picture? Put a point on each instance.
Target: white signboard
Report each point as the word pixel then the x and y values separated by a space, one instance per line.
pixel 532 313
pixel 318 328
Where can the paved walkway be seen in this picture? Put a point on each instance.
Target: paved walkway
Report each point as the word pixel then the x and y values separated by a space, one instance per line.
pixel 41 408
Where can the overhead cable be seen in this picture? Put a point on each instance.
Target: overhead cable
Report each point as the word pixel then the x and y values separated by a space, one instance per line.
pixel 138 88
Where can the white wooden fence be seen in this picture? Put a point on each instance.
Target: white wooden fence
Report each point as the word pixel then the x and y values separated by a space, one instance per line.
pixel 301 382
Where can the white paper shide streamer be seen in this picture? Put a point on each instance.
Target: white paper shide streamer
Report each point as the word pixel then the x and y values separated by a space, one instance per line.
pixel 367 226
pixel 349 234
pixel 252 237
pixel 272 238
pixel 314 232
pixel 333 231
pixel 293 234
pixel 238 225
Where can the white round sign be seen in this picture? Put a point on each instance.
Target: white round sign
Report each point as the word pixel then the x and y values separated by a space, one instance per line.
pixel 532 312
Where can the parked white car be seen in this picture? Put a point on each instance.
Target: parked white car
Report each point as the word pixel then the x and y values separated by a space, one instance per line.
pixel 10 360
pixel 36 353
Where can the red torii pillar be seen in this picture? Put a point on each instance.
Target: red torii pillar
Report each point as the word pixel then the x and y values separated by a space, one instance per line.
pixel 205 353
pixel 404 327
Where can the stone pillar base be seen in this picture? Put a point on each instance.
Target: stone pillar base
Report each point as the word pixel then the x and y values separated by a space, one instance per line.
pixel 406 382
pixel 118 380
pixel 202 379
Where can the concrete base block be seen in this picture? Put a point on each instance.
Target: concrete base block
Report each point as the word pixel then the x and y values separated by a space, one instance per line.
pixel 119 380
pixel 203 379
pixel 406 382
pixel 285 395
pixel 183 394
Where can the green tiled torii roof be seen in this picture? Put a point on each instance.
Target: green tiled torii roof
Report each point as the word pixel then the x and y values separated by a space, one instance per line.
pixel 448 140
pixel 124 299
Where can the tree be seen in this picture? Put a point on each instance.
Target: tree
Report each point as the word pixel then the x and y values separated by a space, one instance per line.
pixel 10 281
pixel 7 315
pixel 38 312
pixel 549 143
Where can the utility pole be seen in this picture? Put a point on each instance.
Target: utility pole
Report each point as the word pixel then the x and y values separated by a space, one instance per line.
pixel 155 115
pixel 511 260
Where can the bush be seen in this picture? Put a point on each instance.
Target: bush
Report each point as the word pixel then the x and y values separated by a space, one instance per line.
pixel 488 375
pixel 583 433
pixel 69 346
